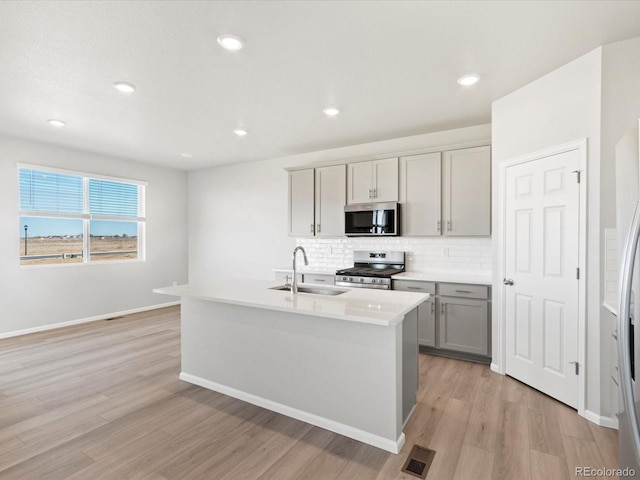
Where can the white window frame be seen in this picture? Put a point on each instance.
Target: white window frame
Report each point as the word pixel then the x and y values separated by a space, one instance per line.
pixel 86 217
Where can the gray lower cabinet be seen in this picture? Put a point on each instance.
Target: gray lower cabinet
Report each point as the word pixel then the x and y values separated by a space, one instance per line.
pixel 427 323
pixel 454 321
pixel 463 325
pixel 426 311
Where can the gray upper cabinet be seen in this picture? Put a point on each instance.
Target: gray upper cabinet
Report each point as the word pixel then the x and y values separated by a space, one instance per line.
pixel 330 201
pixel 316 202
pixel 301 203
pixel 420 182
pixel 372 181
pixel 466 192
pixel 442 193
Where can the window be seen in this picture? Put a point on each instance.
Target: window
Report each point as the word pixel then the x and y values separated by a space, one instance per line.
pixel 68 217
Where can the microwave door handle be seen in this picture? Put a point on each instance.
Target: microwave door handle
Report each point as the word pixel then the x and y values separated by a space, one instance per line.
pixel 624 320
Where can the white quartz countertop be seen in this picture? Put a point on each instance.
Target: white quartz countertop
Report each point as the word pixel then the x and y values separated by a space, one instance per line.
pixel 376 307
pixel 478 278
pixel 449 276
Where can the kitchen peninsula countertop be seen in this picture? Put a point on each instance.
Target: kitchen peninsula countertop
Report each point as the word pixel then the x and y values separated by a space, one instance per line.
pixel 449 276
pixel 371 306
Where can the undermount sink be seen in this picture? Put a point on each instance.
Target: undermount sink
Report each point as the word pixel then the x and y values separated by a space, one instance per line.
pixel 314 290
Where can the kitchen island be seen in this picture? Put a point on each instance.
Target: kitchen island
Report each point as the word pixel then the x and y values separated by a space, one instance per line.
pixel 347 362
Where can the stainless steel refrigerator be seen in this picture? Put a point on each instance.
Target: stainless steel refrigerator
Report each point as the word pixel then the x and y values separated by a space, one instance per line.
pixel 628 233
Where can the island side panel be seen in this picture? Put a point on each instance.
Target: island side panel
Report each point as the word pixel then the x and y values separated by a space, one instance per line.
pixel 409 364
pixel 342 371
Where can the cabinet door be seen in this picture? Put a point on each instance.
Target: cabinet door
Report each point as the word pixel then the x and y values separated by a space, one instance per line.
pixel 359 181
pixel 427 323
pixel 301 199
pixel 385 180
pixel 467 191
pixel 463 325
pixel 330 200
pixel 420 194
pixel 426 310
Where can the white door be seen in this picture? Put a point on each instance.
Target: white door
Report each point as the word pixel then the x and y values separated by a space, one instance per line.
pixel 541 259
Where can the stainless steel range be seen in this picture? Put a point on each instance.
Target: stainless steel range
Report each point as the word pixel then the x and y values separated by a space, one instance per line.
pixel 371 270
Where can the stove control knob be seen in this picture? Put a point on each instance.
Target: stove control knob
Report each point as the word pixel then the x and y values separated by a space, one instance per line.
pixel 361 280
pixel 350 279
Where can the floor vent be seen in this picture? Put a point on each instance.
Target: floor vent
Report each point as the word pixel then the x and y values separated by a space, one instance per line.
pixel 419 461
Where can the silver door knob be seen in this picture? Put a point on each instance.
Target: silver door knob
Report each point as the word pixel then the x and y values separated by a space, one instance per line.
pixel 507 281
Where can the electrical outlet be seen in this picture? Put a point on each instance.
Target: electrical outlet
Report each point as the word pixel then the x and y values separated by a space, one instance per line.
pixel 175 283
pixel 329 250
pixel 444 252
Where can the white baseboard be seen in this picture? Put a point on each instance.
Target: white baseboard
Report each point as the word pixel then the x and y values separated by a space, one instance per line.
pixel 53 326
pixel 323 422
pixel 610 422
pixel 496 368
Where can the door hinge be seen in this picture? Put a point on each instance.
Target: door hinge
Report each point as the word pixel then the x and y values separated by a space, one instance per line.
pixel 578 273
pixel 577 172
pixel 576 367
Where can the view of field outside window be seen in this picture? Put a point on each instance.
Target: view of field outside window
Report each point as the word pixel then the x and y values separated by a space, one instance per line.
pixel 58 210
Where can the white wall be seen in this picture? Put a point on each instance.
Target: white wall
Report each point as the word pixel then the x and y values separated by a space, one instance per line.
pixel 35 297
pixel 560 107
pixel 238 213
pixel 620 112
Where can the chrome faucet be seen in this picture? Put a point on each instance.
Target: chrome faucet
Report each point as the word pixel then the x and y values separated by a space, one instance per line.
pixel 294 282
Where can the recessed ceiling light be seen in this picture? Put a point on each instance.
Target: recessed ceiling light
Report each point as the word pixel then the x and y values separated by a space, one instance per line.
pixel 470 79
pixel 56 123
pixel 241 132
pixel 331 111
pixel 230 42
pixel 124 87
pixel 187 155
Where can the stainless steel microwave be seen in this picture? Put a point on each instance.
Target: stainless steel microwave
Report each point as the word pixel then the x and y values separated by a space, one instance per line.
pixel 372 219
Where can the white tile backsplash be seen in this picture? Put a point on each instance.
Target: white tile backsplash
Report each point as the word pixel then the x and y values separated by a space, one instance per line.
pixel 422 254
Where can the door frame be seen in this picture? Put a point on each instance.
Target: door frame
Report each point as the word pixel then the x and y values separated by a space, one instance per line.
pixel 499 350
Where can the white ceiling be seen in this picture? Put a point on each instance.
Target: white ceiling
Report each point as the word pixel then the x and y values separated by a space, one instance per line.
pixel 391 66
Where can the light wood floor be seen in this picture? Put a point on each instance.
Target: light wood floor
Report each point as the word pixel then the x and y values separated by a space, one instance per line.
pixel 103 401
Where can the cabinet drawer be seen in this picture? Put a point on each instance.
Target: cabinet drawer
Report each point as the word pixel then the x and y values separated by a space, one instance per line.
pixel 414 286
pixel 465 291
pixel 318 279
